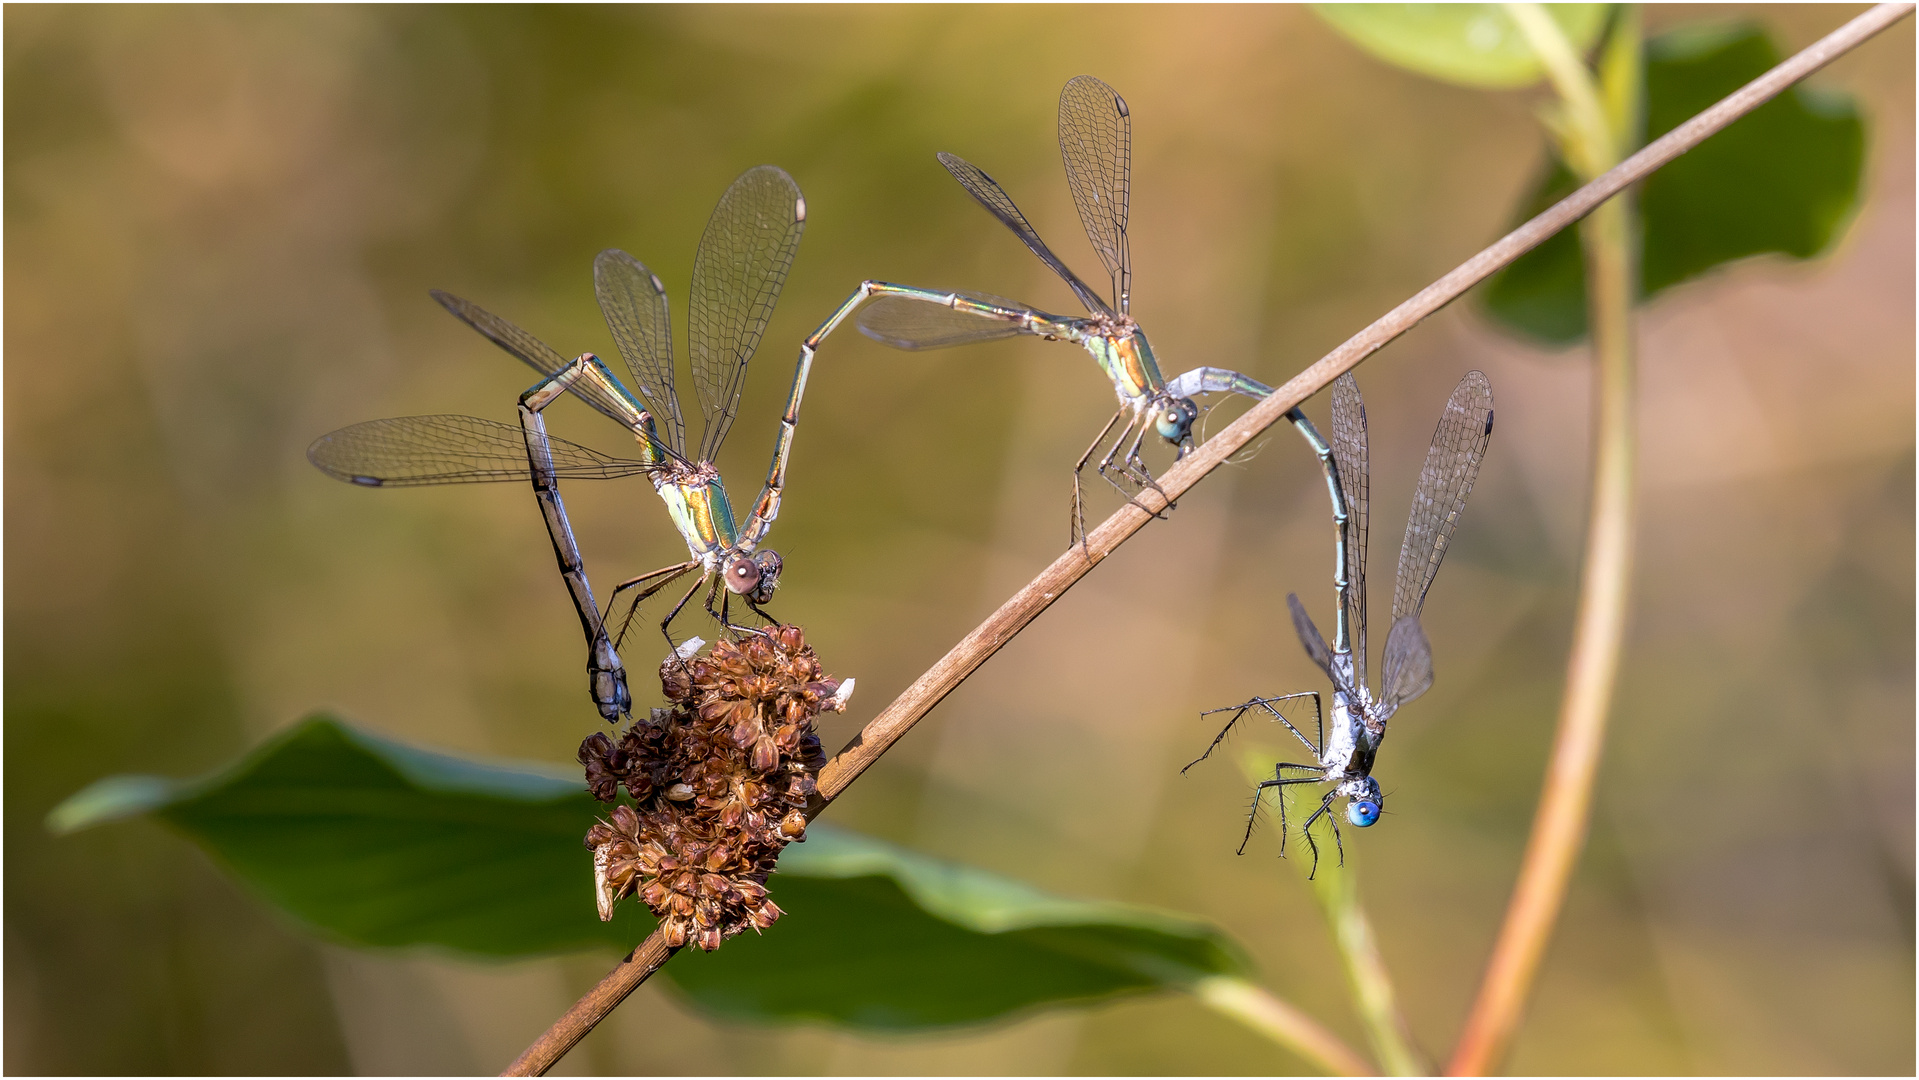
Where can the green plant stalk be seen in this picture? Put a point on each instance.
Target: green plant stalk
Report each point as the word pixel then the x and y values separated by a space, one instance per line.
pixel 1593 138
pixel 1337 890
pixel 1257 1008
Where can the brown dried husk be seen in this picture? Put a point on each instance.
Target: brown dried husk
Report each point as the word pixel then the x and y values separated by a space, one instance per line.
pixel 719 782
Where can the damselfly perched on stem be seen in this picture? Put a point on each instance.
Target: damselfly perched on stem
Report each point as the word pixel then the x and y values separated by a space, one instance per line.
pixel 1095 139
pixel 1344 758
pixel 742 261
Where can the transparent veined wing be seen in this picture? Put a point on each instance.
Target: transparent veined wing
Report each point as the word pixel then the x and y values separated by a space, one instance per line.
pixel 741 264
pixel 1096 142
pixel 412 451
pixel 1452 463
pixel 634 303
pixel 1000 205
pixel 906 323
pixel 539 356
pixel 1405 666
pixel 1311 639
pixel 1350 464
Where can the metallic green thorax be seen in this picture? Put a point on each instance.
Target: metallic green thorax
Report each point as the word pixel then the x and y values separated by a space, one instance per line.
pixel 697 501
pixel 1128 361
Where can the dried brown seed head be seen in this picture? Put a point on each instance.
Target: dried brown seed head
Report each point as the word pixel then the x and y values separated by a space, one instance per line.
pixel 717 779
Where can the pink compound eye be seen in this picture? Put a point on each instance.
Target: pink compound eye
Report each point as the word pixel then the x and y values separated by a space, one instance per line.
pixel 742 575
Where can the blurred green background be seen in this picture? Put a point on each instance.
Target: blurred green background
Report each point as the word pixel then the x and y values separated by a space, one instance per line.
pixel 221 226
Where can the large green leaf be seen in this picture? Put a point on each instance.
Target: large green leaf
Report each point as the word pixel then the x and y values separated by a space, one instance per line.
pixel 882 937
pixel 1469 44
pixel 376 843
pixel 1784 180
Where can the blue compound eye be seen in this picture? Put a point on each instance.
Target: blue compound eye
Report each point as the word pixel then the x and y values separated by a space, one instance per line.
pixel 1175 421
pixel 1362 812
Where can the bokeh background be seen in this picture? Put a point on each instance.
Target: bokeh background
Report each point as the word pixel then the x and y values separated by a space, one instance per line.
pixel 221 225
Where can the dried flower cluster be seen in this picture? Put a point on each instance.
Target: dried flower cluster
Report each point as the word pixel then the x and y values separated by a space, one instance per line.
pixel 719 782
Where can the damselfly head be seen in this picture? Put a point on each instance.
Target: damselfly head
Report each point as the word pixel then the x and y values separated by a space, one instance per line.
pixel 767 563
pixel 1173 419
pixel 1362 809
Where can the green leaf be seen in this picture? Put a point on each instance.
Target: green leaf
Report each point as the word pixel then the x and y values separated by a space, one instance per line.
pixel 1784 179
pixel 885 938
pixel 373 842
pixel 1468 44
pixel 376 843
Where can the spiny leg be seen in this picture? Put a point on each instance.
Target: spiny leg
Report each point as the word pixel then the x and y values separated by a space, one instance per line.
pixel 761 612
pixel 725 613
pixel 712 594
pixel 1278 781
pixel 1332 822
pixel 671 645
pixel 1136 469
pixel 667 575
pixel 1318 776
pixel 1079 503
pixel 1106 464
pixel 1238 711
pixel 1325 806
pixel 725 597
pixel 1267 704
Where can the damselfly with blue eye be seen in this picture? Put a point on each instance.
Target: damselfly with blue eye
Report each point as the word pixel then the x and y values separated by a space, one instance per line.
pixel 1095 139
pixel 742 262
pixel 1344 757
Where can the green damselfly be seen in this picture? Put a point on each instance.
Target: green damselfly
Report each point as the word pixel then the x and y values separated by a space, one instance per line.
pixel 741 264
pixel 1095 139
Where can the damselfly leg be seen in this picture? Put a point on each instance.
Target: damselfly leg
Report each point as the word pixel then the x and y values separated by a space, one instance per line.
pixel 1079 498
pixel 1316 774
pixel 1306 830
pixel 667 623
pixel 1268 703
pixel 661 578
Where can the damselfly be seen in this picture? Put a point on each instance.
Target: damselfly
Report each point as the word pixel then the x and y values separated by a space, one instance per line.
pixel 1095 139
pixel 1345 757
pixel 742 262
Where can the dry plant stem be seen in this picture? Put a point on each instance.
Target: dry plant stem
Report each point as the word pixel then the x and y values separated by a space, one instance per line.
pixel 566 1032
pixel 1036 596
pixel 1257 1008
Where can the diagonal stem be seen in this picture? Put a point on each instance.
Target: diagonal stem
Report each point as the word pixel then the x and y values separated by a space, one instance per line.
pixel 1257 1008
pixel 1025 605
pixel 1337 891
